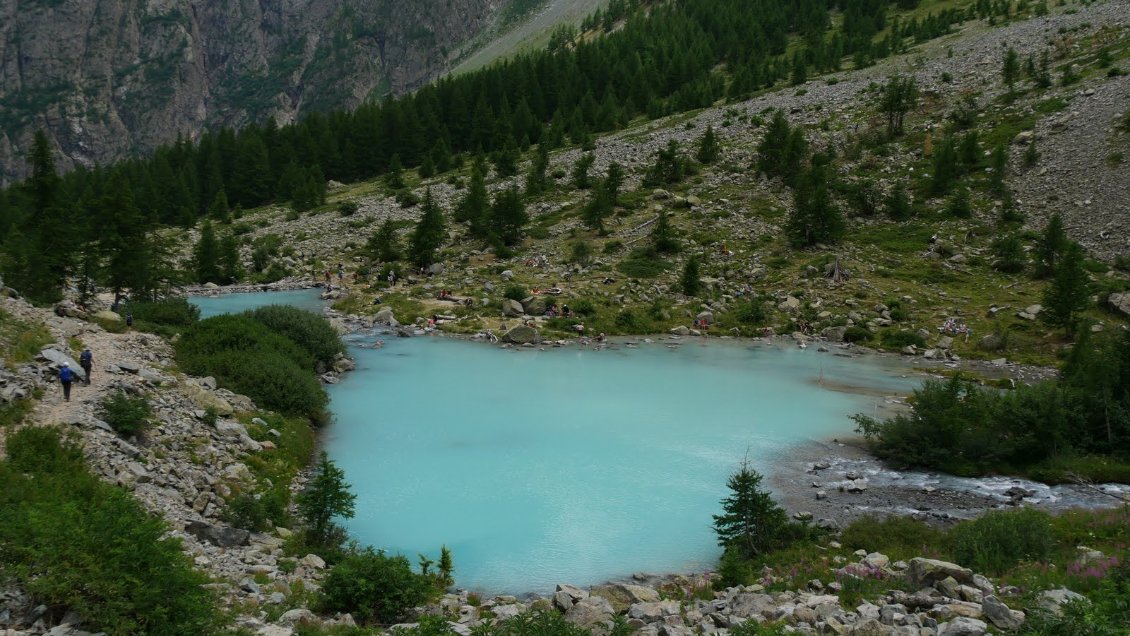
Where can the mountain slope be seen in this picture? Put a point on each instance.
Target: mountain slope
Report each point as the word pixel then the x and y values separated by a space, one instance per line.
pixel 108 78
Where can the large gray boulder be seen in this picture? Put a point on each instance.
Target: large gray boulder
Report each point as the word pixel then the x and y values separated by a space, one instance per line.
pixel 624 595
pixel 1120 302
pixel 651 612
pixel 1054 600
pixel 834 334
pixel 590 612
pixel 927 572
pixel 58 358
pixel 963 626
pixel 534 305
pixel 521 334
pixel 385 317
pixel 748 604
pixel 223 536
pixel 511 307
pixel 1000 614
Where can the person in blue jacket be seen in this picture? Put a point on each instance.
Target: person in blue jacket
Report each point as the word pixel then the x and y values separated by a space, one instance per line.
pixel 86 361
pixel 66 376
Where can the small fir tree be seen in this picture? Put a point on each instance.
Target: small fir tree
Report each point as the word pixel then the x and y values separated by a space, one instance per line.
pixel 663 237
pixel 690 282
pixel 999 163
pixel 613 181
pixel 580 177
pixel 898 203
pixel 708 147
pixel 1053 242
pixel 219 208
pixel 815 217
pixel 1010 70
pixel 900 96
pixel 1068 295
pixel 751 522
pixel 383 245
pixel 429 233
pixel 945 166
pixel 508 217
pixel 327 495
pixel 536 180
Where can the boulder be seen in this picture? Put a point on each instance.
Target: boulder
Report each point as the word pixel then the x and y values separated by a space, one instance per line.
pixel 344 365
pixel 681 330
pixel 435 269
pixel 511 307
pixel 876 560
pixel 1000 615
pixel 223 536
pixel 963 626
pixel 1120 302
pixel 1054 600
pixel 869 627
pixel 205 399
pixel 107 316
pixel 789 304
pixel 521 334
pixel 590 612
pixel 834 334
pixel 707 316
pixel 299 615
pixel 623 595
pixel 991 342
pixel 385 317
pixel 925 572
pixel 654 611
pixel 507 275
pixel 58 358
pixel 945 342
pixel 533 305
pixel 748 604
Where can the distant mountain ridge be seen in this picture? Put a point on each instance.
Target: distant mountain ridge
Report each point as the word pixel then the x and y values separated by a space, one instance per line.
pixel 107 78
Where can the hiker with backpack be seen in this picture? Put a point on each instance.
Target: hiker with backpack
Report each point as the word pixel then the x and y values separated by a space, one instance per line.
pixel 66 376
pixel 86 360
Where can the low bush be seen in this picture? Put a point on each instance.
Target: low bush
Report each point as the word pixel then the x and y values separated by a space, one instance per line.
pixel 515 292
pixel 127 415
pixel 71 540
pixel 307 330
pixel 643 264
pixel 893 339
pixel 373 587
pixel 1001 540
pixel 856 334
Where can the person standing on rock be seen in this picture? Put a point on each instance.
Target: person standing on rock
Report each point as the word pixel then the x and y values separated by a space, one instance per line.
pixel 66 376
pixel 86 360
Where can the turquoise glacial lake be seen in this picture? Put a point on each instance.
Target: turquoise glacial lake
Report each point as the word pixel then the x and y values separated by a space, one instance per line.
pixel 574 465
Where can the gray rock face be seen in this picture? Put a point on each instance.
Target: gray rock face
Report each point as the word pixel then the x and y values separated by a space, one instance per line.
pixel 963 626
pixel 58 358
pixel 1120 303
pixel 1000 614
pixel 512 308
pixel 1054 600
pixel 589 612
pixel 223 536
pixel 926 572
pixel 106 78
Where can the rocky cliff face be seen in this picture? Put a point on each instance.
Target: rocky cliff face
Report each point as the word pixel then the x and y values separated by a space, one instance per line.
pixel 107 78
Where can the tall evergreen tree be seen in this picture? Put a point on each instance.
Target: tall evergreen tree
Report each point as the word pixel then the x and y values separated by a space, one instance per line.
pixel 429 233
pixel 663 237
pixel 231 268
pixel 536 180
pixel 1068 295
pixel 999 163
pixel 708 147
pixel 1010 69
pixel 219 208
pixel 49 230
pixel 899 96
pixel 206 256
pixel 945 166
pixel 815 218
pixel 751 522
pixel 508 217
pixel 580 176
pixel 898 203
pixel 690 281
pixel 125 241
pixel 598 208
pixel 383 245
pixel 613 181
pixel 1051 246
pixel 475 205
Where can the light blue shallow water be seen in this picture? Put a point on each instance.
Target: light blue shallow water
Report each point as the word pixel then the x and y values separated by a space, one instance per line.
pixel 235 303
pixel 570 465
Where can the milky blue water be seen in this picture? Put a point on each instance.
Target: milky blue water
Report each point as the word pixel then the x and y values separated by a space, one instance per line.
pixel 235 303
pixel 572 465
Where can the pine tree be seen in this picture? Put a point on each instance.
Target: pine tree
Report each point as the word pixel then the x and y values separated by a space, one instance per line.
pixel 219 208
pixel 475 204
pixel 429 233
pixel 394 177
pixel 1068 295
pixel 383 244
pixel 580 177
pixel 48 230
pixel 771 151
pixel 900 96
pixel 663 237
pixel 206 256
pixel 799 73
pixel 508 217
pixel 1031 155
pixel 327 495
pixel 231 269
pixel 1010 70
pixel 999 164
pixel 959 205
pixel 690 281
pixel 751 522
pixel 1051 246
pixel 598 208
pixel 125 241
pixel 898 203
pixel 708 147
pixel 536 180
pixel 446 566
pixel 945 166
pixel 613 180
pixel 815 218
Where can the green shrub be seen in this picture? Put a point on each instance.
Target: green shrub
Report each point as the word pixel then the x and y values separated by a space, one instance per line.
pixel 584 307
pixel 515 292
pixel 174 311
pixel 893 339
pixel 895 536
pixel 70 540
pixel 347 208
pixel 643 264
pixel 127 415
pixel 305 329
pixel 856 334
pixel 1000 540
pixel 750 312
pixel 373 587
